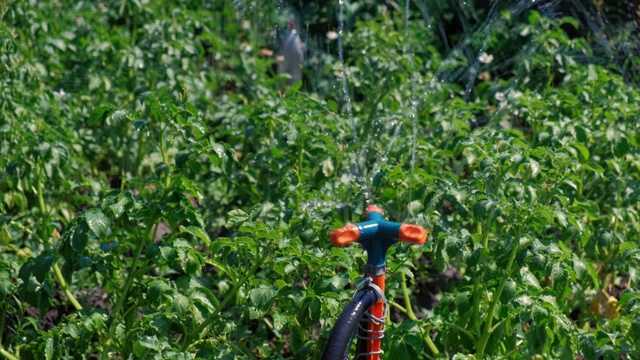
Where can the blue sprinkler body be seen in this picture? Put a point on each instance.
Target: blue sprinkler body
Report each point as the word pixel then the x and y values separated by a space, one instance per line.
pixel 377 234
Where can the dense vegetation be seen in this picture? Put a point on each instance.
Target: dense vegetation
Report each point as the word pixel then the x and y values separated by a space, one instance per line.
pixel 163 195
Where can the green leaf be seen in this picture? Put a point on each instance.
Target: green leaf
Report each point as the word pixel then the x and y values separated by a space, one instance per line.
pixel 579 267
pixel 79 239
pixel 262 296
pixel 454 245
pixel 279 321
pixel 635 326
pixel 6 286
pixel 529 279
pixel 415 207
pixel 182 158
pixel 562 217
pixel 539 314
pixel 36 287
pixel 118 207
pixel 583 152
pixel 593 273
pixel 41 266
pixel 333 106
pixel 621 147
pixel 592 166
pixel 205 297
pixel 162 325
pixel 49 348
pixel 535 167
pixel 197 232
pixel 559 276
pixel 161 168
pixel 406 340
pixel 148 345
pixel 294 87
pixel 236 217
pixel 180 304
pixel 509 291
pixel 219 156
pixel 627 245
pixel 331 283
pixel 156 288
pixel 100 114
pixel 98 222
pixel 581 134
pixel 276 152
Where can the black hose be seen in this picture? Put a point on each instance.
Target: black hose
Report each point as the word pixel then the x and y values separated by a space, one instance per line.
pixel 342 332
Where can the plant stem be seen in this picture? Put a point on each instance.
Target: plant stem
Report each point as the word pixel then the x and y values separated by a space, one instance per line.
pixel 7 354
pixel 477 281
pixel 165 159
pixel 430 344
pixel 65 287
pixel 407 300
pixel 400 307
pixel 43 208
pixel 134 306
pixel 139 154
pixel 47 245
pixel 496 297
pixel 580 184
pixel 123 296
pixel 374 105
pixel 130 277
pixel 268 323
pixel 409 311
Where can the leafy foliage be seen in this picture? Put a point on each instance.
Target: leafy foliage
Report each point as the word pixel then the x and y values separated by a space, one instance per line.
pixel 163 196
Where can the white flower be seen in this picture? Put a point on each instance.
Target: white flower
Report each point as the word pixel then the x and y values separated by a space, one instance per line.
pixel 246 47
pixel 499 96
pixel 515 95
pixel 332 35
pixel 60 93
pixel 485 58
pixel 246 24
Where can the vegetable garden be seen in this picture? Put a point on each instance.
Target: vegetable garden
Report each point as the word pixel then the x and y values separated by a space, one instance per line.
pixel 165 194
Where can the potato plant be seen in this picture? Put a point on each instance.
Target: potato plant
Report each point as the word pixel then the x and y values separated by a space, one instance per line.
pixel 164 196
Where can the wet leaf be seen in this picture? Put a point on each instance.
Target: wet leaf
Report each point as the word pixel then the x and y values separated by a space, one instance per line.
pixel 98 222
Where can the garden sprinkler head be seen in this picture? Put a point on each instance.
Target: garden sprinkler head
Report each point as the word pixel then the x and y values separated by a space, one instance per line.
pixel 377 234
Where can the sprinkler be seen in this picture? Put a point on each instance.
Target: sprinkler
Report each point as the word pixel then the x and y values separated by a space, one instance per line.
pixel 376 235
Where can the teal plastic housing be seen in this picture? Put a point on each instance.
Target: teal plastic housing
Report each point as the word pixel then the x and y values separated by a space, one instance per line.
pixel 376 236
